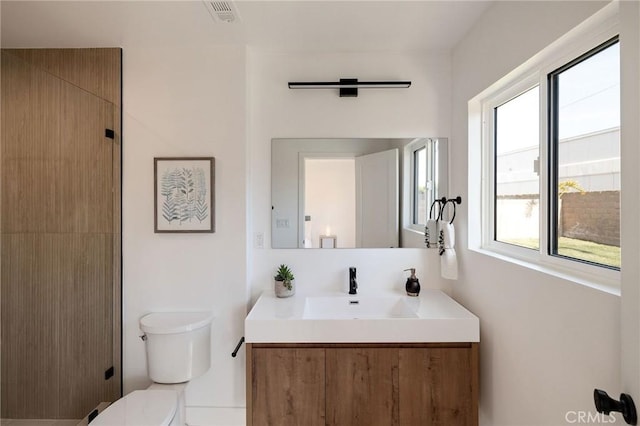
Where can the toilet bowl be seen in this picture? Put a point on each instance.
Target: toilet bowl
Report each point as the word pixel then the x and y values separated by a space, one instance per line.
pixel 178 347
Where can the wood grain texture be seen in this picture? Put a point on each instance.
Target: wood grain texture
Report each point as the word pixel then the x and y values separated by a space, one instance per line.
pixel 288 387
pixel 85 168
pixel 437 387
pixel 60 259
pixel 249 383
pixel 30 332
pixel 97 71
pixel 362 386
pixel 85 321
pixel 30 147
pixel 402 384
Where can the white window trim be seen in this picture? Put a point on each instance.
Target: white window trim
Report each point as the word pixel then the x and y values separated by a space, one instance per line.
pixel 596 30
pixel 410 149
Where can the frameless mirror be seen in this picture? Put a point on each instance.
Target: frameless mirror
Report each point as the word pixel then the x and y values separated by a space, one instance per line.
pixel 356 192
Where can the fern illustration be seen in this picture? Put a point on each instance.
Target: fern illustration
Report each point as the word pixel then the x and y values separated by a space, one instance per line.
pixel 169 210
pixel 202 211
pixel 200 184
pixel 168 183
pixel 185 193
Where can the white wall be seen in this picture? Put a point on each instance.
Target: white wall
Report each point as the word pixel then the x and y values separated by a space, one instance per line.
pixel 630 155
pixel 422 110
pixel 546 343
pixel 186 102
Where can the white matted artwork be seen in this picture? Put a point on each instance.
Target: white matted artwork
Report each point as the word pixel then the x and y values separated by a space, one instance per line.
pixel 184 194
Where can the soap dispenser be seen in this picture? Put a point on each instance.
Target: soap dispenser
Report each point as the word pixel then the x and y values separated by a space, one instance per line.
pixel 413 285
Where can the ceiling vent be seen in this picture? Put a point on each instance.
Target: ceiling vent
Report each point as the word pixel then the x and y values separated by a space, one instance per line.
pixel 222 11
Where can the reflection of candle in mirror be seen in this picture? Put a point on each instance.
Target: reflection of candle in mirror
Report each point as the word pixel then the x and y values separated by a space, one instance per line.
pixel 328 230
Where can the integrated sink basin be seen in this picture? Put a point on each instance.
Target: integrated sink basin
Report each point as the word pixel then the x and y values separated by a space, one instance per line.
pixel 371 317
pixel 340 307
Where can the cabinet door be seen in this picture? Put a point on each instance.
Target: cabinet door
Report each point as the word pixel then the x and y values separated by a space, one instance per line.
pixel 288 386
pixel 438 386
pixel 362 386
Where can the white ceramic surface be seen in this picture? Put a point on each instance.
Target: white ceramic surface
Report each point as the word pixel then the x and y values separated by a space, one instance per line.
pixel 178 346
pixel 141 408
pixel 354 307
pixel 322 319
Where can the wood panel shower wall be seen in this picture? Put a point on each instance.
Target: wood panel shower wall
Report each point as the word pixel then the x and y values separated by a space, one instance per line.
pixel 60 217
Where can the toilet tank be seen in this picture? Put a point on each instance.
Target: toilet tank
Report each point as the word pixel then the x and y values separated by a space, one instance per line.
pixel 178 345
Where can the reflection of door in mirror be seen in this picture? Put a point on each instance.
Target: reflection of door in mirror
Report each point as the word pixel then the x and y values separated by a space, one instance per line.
pixel 329 200
pixel 377 202
pixel 353 198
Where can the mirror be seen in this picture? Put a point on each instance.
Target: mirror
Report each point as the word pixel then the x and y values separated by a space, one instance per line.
pixel 354 192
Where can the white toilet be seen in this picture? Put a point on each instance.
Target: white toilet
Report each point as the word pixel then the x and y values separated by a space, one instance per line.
pixel 178 347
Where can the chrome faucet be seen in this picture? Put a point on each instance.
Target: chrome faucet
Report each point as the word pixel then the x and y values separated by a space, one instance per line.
pixel 353 284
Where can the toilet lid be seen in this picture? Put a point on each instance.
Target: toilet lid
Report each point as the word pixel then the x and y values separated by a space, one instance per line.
pixel 174 322
pixel 140 408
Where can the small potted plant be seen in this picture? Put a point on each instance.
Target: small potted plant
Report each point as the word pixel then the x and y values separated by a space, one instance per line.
pixel 284 285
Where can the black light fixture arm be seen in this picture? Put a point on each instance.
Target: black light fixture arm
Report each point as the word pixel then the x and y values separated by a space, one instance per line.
pixel 348 86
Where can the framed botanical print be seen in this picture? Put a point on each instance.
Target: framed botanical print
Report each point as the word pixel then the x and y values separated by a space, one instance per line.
pixel 184 194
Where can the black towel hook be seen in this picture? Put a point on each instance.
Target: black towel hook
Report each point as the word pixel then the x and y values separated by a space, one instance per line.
pixel 438 201
pixel 453 201
pixel 444 206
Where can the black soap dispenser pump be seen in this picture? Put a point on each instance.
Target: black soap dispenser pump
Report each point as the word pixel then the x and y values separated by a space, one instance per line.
pixel 413 285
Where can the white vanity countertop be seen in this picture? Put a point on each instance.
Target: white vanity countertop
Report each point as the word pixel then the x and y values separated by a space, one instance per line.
pixel 436 317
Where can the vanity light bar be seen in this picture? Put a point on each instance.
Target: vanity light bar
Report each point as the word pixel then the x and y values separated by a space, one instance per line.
pixel 349 86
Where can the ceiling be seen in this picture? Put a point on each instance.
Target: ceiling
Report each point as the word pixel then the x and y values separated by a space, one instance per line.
pixel 334 26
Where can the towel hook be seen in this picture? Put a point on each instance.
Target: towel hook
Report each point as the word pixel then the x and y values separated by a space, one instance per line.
pixel 453 202
pixel 443 203
pixel 438 201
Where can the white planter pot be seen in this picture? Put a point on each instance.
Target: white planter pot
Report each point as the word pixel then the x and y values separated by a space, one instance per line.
pixel 282 290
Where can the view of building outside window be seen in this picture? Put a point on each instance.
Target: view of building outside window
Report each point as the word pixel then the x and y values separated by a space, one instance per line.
pixel 588 130
pixel 588 163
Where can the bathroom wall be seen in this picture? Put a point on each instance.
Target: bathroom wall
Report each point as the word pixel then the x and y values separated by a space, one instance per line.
pixel 546 343
pixel 186 102
pixel 277 112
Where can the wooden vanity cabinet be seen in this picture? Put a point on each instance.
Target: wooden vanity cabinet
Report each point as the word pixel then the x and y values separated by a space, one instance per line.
pixel 433 384
pixel 361 386
pixel 287 386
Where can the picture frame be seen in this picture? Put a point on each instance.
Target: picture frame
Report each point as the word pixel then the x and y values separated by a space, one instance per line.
pixel 184 194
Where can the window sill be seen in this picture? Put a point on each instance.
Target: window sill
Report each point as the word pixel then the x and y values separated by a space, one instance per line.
pixel 606 285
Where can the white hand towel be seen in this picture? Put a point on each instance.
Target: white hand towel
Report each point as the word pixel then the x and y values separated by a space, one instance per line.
pixel 448 259
pixel 431 233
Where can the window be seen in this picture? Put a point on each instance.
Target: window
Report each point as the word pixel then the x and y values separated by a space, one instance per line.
pixel 549 159
pixel 584 118
pixel 421 186
pixel 425 164
pixel 517 187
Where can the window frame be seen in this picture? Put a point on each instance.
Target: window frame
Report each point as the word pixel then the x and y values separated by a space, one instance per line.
pixel 553 143
pixel 599 29
pixel 414 183
pixel 499 98
pixel 412 149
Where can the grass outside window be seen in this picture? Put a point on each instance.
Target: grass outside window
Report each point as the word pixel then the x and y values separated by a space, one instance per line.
pixel 579 249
